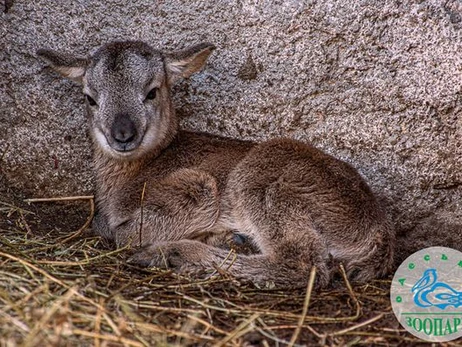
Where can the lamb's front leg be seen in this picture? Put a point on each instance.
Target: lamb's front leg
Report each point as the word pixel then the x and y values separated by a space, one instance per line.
pixel 182 256
pixel 200 259
pixel 184 205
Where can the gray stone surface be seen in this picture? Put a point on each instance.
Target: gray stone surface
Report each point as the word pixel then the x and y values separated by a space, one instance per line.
pixel 376 83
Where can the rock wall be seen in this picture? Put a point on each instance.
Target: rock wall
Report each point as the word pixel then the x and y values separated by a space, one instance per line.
pixel 376 83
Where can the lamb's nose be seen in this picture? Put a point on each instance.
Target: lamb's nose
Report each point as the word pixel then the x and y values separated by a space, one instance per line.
pixel 123 129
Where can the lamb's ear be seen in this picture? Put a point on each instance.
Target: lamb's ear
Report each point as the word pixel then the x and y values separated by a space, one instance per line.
pixel 184 63
pixel 68 65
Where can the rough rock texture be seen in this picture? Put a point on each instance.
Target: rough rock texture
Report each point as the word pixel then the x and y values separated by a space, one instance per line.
pixel 376 83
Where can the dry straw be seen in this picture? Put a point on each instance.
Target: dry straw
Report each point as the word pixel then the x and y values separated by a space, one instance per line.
pixel 66 288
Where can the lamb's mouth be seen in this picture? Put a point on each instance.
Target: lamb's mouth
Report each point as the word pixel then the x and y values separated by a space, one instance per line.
pixel 115 148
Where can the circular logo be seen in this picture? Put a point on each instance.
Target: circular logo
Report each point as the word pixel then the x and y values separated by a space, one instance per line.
pixel 426 294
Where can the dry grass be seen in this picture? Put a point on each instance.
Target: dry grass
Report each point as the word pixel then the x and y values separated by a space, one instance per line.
pixel 62 287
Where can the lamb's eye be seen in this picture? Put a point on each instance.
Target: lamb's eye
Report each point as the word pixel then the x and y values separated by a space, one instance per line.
pixel 152 94
pixel 90 100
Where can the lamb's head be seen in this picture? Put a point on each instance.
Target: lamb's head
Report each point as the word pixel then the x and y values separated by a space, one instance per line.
pixel 127 90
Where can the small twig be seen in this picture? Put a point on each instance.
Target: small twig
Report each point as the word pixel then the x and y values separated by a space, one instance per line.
pixel 66 198
pixel 206 324
pixel 15 321
pixel 14 208
pixel 111 323
pixel 24 300
pixel 16 250
pixel 82 262
pixel 188 328
pixel 90 198
pixel 30 339
pixel 97 324
pixel 352 293
pixel 354 327
pixel 219 268
pixel 270 334
pixel 309 289
pixel 171 310
pixel 241 329
pixel 231 252
pixel 85 226
pixel 142 212
pixel 275 338
pixel 108 338
pixel 148 327
pixel 26 225
pixel 314 332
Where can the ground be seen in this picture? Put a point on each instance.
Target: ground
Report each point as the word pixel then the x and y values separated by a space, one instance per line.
pixel 62 286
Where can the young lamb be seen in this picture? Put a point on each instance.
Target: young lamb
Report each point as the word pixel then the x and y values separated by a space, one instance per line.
pixel 178 194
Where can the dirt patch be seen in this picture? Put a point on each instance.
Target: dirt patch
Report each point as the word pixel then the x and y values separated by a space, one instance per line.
pixel 39 219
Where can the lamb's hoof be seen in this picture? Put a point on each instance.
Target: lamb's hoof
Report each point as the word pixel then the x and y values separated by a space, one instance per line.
pixel 140 259
pixel 240 239
pixel 243 244
pixel 159 256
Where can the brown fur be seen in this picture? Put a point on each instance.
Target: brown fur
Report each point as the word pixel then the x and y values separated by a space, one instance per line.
pixel 298 205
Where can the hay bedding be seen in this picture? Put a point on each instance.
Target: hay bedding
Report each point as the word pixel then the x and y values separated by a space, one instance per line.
pixel 61 286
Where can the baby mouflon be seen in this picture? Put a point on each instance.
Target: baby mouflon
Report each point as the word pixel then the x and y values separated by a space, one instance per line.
pixel 178 193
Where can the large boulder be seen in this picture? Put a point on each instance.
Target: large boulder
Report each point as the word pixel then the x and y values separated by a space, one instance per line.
pixel 376 83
